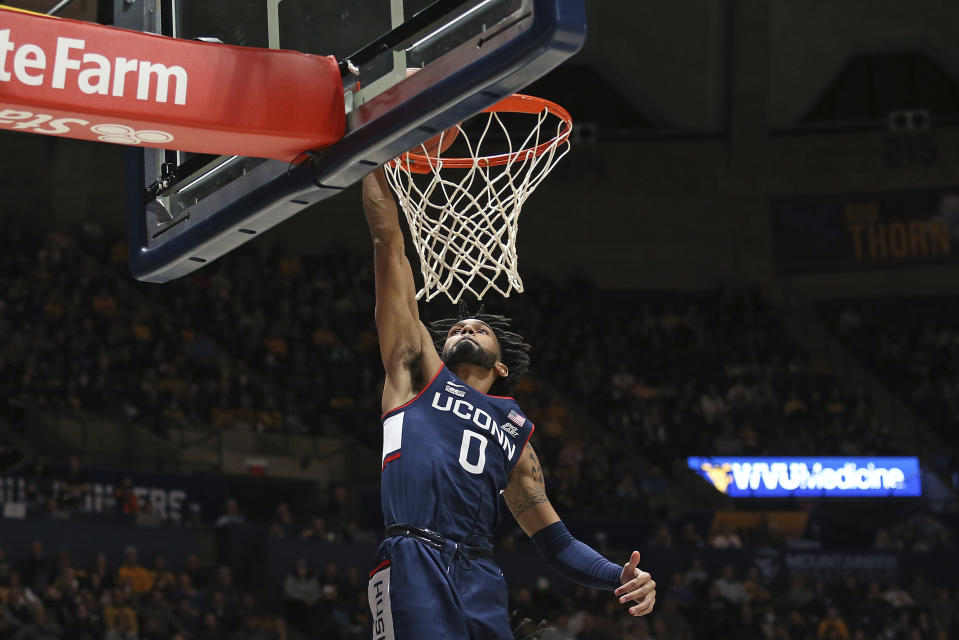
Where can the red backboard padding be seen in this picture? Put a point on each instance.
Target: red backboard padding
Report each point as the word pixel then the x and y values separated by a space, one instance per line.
pixel 87 81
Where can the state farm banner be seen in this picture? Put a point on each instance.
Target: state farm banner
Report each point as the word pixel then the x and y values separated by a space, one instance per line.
pixel 791 476
pixel 177 498
pixel 866 231
pixel 92 82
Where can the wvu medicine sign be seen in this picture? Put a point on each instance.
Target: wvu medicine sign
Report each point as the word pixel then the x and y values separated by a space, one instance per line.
pixel 770 477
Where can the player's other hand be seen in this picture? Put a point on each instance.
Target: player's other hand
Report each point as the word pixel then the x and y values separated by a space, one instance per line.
pixel 638 586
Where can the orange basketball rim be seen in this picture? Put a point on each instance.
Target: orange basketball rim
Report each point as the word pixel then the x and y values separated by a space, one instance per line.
pixel 517 103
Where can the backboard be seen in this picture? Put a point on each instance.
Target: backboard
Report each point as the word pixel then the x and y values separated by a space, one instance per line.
pixel 186 210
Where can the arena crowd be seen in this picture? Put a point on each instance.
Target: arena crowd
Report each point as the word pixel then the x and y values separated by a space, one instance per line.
pixel 624 386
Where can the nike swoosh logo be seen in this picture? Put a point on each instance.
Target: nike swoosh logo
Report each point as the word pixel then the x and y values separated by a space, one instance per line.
pixel 458 386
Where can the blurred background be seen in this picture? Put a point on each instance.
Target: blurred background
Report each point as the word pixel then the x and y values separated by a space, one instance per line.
pixel 747 253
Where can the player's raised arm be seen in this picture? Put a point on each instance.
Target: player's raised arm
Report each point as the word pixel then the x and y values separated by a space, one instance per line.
pixel 405 344
pixel 526 497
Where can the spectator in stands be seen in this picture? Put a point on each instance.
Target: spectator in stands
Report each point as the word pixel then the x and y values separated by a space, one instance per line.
pixel 126 498
pixel 161 577
pixel 118 615
pixel 231 514
pixel 712 404
pixel 39 626
pixel 832 626
pixel 341 512
pixel 691 537
pixel 186 590
pixel 661 537
pixel 872 611
pixel 931 535
pixel 942 611
pixel 317 530
pixel 766 533
pixel 66 585
pixel 849 320
pixel 627 491
pixel 123 628
pixel 696 577
pixel 794 407
pixel 223 583
pixel 82 625
pixel 759 595
pixel 897 597
pixel 156 616
pixel 679 592
pixel 187 618
pixel 302 592
pixel 622 381
pixel 730 587
pixel 74 486
pixel 63 563
pixel 797 628
pixel 717 615
pixel 883 541
pixel 330 575
pixel 799 595
pixel 901 625
pixel 725 537
pixel 198 577
pixel 282 525
pixel 922 592
pixel 133 574
pixel 36 571
pixel 333 612
pixel 254 627
pixel 210 628
pixel 846 594
pixel 39 489
pixel 101 573
pixel 18 602
pixel 226 616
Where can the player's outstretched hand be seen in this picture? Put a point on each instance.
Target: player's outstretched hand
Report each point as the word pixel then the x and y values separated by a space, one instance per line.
pixel 638 586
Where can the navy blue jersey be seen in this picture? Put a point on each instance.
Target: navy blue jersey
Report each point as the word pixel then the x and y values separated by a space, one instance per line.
pixel 447 455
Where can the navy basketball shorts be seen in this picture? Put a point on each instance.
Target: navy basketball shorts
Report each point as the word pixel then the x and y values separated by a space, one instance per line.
pixel 417 592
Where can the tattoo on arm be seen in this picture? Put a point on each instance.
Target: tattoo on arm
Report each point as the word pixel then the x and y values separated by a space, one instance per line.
pixel 536 471
pixel 525 498
pixel 527 495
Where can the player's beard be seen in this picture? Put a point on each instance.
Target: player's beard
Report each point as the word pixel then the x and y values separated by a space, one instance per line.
pixel 468 352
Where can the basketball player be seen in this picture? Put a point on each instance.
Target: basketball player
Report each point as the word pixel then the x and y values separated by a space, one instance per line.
pixel 449 451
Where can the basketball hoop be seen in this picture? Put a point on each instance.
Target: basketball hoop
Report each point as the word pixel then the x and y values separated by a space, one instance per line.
pixel 464 223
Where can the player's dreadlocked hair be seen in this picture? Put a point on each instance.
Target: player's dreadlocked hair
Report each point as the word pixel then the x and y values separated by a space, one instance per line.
pixel 514 350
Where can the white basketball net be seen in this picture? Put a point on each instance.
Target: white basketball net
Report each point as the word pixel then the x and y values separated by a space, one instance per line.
pixel 464 222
